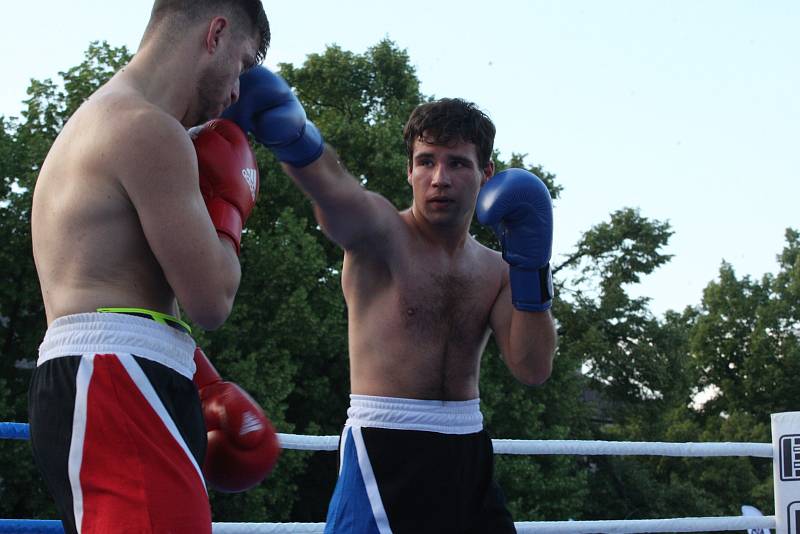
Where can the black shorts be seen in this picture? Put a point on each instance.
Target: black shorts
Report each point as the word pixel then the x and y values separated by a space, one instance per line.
pixel 400 480
pixel 116 426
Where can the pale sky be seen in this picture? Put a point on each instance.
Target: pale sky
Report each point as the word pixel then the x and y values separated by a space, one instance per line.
pixel 688 109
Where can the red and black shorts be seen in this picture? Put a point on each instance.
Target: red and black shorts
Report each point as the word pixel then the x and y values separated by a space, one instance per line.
pixel 116 426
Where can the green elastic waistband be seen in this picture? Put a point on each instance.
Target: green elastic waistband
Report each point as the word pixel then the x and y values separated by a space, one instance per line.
pixel 158 317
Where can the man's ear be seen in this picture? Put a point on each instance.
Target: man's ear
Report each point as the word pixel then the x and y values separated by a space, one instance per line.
pixel 488 172
pixel 215 29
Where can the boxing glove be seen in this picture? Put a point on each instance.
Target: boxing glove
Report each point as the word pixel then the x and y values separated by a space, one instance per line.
pixel 518 207
pixel 229 179
pixel 269 110
pixel 242 444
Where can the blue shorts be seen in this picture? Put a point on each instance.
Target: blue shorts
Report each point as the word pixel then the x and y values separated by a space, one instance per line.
pixel 416 466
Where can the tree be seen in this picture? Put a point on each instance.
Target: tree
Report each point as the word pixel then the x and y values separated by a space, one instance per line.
pixel 745 347
pixel 620 373
pixel 633 366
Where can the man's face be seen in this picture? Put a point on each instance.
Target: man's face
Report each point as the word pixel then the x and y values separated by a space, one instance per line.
pixel 445 181
pixel 218 84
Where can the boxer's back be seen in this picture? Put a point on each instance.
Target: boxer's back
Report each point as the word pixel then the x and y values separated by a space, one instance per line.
pixel 88 243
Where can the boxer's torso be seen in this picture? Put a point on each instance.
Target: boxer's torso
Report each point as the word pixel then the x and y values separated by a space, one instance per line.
pixel 419 318
pixel 88 243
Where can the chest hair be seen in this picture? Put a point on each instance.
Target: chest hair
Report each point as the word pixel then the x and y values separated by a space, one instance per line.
pixel 443 308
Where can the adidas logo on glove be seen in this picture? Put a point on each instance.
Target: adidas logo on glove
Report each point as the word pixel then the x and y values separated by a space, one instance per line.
pixel 250 176
pixel 250 423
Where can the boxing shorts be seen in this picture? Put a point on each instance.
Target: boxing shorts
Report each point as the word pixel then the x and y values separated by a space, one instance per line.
pixel 116 426
pixel 416 466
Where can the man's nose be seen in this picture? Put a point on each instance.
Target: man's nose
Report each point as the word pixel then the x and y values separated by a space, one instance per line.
pixel 441 177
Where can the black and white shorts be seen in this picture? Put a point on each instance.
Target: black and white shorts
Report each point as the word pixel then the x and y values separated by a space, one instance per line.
pixel 416 466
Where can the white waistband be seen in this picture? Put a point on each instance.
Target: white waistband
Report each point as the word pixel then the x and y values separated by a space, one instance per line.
pixel 117 333
pixel 444 417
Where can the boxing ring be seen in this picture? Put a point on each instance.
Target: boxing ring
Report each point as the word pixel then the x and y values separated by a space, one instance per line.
pixel 784 452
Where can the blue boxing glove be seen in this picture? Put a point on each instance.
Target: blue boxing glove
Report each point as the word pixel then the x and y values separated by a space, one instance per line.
pixel 269 110
pixel 518 207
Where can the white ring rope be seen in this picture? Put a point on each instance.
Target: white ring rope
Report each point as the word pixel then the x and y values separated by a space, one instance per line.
pixel 268 528
pixel 582 448
pixel 683 524
pixel 628 448
pixel 566 447
pixel 308 443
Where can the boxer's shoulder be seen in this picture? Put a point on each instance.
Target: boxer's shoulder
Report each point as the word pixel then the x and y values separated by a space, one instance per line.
pixel 488 259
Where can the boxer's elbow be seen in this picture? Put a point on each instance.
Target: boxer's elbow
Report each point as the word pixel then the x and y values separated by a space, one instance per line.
pixel 213 315
pixel 534 377
pixel 206 285
pixel 209 310
pixel 532 370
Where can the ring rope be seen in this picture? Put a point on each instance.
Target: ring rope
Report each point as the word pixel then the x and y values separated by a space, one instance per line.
pixel 21 431
pixel 523 446
pixel 14 431
pixel 683 524
pixel 631 526
pixel 629 448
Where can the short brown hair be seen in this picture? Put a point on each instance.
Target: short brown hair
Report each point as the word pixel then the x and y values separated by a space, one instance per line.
pixel 192 10
pixel 448 121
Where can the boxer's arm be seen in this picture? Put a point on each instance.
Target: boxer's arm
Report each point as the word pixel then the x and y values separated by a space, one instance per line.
pixel 351 216
pixel 527 339
pixel 157 167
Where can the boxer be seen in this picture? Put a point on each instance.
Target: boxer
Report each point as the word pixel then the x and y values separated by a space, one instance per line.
pixel 423 297
pixel 132 216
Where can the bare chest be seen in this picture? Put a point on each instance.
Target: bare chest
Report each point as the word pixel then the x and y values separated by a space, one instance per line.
pixel 444 307
pixel 419 323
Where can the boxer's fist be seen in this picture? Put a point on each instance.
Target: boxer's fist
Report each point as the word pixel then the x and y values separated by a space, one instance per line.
pixel 242 444
pixel 518 207
pixel 228 176
pixel 269 110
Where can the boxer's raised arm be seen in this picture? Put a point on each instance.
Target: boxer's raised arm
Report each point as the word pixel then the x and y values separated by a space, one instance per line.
pixel 517 206
pixel 351 216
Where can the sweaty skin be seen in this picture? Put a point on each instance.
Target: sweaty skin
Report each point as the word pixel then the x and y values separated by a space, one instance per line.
pixel 117 218
pixel 422 295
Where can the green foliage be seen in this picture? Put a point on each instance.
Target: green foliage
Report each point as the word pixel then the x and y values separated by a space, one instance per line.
pixel 746 339
pixel 620 373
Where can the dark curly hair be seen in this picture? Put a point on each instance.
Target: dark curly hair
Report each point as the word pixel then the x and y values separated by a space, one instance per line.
pixel 449 121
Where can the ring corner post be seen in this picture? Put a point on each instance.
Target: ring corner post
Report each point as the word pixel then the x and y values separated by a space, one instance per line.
pixel 786 471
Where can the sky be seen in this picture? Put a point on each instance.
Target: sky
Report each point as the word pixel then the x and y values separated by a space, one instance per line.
pixel 687 110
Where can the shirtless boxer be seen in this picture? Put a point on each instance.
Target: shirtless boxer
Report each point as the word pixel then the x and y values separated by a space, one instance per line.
pixel 423 297
pixel 132 215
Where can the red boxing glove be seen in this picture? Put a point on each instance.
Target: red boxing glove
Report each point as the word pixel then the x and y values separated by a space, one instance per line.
pixel 228 175
pixel 242 444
